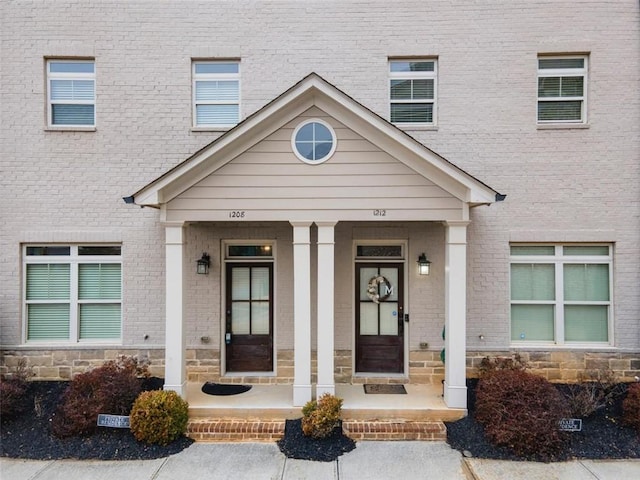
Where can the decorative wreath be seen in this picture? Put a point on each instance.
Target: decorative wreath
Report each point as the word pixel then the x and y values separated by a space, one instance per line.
pixel 373 289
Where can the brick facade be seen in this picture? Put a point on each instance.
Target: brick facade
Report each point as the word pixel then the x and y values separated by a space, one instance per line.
pixel 563 184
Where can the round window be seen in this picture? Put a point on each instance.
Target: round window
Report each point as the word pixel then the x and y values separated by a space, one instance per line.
pixel 314 141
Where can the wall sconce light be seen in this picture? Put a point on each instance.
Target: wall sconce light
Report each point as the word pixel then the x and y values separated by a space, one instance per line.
pixel 203 264
pixel 424 265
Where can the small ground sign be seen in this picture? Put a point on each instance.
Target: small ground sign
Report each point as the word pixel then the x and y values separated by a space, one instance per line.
pixel 571 425
pixel 113 421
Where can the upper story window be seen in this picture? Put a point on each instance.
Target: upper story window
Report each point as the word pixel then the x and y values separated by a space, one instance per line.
pixel 216 93
pixel 73 293
pixel 561 293
pixel 562 83
pixel 71 93
pixel 412 91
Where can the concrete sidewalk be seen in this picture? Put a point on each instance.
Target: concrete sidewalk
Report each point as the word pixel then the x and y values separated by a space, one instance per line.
pixel 370 460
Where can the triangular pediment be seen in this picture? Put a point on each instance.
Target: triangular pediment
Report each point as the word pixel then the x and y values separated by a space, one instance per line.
pixel 375 167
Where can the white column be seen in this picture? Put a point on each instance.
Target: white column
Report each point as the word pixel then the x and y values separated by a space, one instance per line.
pixel 301 313
pixel 175 376
pixel 455 387
pixel 326 383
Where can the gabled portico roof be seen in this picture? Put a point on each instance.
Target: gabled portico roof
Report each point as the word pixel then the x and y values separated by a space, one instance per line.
pixel 314 91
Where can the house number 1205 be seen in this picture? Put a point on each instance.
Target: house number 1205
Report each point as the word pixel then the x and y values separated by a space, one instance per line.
pixel 237 214
pixel 379 213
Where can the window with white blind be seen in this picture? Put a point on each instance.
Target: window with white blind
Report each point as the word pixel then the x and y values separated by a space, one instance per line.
pixel 71 86
pixel 73 293
pixel 216 93
pixel 412 91
pixel 561 293
pixel 562 83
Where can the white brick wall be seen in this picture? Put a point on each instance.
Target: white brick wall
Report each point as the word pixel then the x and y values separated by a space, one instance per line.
pixel 574 183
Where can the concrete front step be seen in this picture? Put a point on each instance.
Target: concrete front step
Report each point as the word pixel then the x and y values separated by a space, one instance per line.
pixel 258 430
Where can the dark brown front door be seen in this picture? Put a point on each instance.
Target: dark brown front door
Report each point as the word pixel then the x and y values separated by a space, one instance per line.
pixel 379 318
pixel 249 322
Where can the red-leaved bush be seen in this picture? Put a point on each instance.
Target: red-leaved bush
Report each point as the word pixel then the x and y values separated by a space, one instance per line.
pixel 13 388
pixel 521 411
pixel 111 388
pixel 631 407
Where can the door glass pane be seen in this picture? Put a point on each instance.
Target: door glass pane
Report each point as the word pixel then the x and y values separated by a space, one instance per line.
pixel 532 322
pixel 389 318
pixel 586 323
pixel 368 318
pixel 391 289
pixel 260 283
pixel 532 282
pixel 586 282
pixel 260 318
pixel 366 274
pixel 240 318
pixel 240 283
pixel 379 251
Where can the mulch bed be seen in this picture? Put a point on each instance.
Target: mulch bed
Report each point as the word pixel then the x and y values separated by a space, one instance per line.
pixel 602 437
pixel 29 435
pixel 295 444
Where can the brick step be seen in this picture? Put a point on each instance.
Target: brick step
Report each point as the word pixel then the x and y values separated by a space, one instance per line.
pixel 394 430
pixel 235 430
pixel 256 430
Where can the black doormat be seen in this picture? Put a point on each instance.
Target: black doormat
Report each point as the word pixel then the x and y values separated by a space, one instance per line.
pixel 384 388
pixel 224 389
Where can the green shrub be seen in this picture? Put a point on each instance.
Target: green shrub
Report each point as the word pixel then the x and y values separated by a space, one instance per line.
pixel 111 388
pixel 631 407
pixel 159 416
pixel 521 411
pixel 12 391
pixel 322 416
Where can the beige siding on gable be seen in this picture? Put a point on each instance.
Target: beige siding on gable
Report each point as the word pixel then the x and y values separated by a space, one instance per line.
pixel 359 182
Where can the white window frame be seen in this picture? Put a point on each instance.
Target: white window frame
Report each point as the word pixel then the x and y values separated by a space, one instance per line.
pixel 563 72
pixel 413 76
pixel 215 77
pixel 70 76
pixel 558 260
pixel 73 260
pixel 300 156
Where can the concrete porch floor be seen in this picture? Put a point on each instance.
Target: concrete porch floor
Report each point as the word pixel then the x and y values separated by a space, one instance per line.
pixel 270 402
